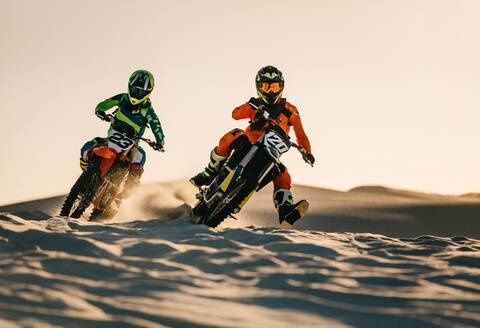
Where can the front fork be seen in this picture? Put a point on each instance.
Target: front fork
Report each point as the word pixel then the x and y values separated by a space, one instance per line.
pixel 229 180
pixel 107 184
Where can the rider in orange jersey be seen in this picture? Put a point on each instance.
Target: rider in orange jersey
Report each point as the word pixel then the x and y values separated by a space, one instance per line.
pixel 268 106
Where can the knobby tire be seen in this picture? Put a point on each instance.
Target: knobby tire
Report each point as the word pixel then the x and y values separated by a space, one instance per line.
pixel 81 186
pixel 232 205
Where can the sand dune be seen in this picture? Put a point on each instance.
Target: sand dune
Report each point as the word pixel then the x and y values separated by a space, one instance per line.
pixel 151 267
pixel 369 209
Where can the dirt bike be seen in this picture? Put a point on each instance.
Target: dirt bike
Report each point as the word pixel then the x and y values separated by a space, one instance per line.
pixel 105 176
pixel 247 170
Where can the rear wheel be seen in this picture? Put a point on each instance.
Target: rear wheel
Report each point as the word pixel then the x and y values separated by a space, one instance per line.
pixel 80 196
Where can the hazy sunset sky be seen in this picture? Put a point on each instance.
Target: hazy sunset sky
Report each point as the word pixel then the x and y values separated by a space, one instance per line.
pixel 388 91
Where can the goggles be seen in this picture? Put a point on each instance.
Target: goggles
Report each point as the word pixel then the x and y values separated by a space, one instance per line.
pixel 270 87
pixel 138 93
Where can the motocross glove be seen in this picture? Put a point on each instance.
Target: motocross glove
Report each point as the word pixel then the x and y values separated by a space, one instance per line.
pixel 308 157
pixel 261 115
pixel 256 104
pixel 103 116
pixel 158 146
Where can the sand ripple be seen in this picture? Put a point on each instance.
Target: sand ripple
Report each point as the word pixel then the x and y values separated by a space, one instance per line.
pixel 60 272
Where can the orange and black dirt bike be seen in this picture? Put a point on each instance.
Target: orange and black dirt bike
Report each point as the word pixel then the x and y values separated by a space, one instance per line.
pixel 248 169
pixel 104 178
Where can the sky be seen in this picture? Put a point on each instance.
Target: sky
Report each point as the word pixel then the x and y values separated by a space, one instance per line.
pixel 388 91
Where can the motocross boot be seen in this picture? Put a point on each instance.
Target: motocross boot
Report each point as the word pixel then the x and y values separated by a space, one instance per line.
pixel 206 177
pixel 86 155
pixel 133 181
pixel 83 164
pixel 288 212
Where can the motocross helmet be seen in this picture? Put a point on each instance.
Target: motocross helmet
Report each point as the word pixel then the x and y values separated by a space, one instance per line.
pixel 269 82
pixel 140 86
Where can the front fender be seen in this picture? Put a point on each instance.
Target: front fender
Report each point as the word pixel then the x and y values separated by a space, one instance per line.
pixel 105 152
pixel 107 155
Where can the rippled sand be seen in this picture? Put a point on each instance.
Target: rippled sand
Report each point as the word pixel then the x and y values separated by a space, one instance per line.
pixel 151 267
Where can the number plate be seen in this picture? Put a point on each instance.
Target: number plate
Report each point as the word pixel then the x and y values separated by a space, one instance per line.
pixel 272 139
pixel 119 141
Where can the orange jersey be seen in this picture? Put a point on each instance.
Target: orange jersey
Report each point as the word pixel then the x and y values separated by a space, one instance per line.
pixel 288 116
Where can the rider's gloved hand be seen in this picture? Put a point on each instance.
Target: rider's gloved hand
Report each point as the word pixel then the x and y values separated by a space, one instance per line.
pixel 158 146
pixel 308 157
pixel 256 104
pixel 103 116
pixel 261 115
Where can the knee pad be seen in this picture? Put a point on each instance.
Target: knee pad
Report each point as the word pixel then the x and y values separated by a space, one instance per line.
pixel 224 146
pixel 239 141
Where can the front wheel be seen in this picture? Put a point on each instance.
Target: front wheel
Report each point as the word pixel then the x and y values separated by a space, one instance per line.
pixel 103 215
pixel 222 210
pixel 80 196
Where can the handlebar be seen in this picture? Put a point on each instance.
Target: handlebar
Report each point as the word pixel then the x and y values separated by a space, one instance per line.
pixel 104 116
pixel 109 118
pixel 152 144
pixel 303 152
